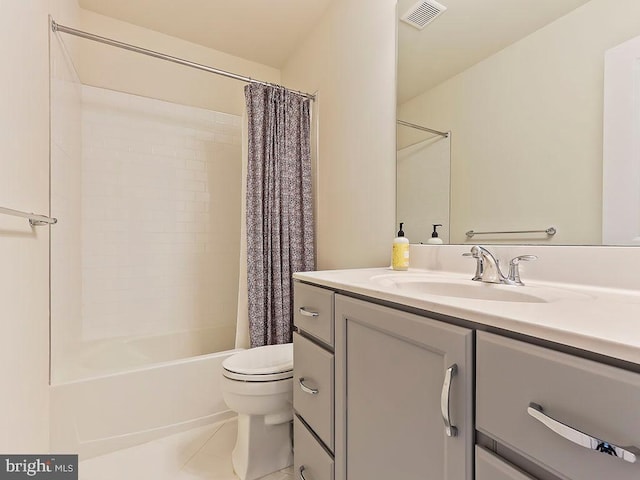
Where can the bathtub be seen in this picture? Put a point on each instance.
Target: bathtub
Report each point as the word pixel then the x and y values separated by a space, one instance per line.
pixel 96 415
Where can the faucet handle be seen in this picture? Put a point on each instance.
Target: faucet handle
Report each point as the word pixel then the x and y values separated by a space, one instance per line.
pixel 521 258
pixel 475 254
pixel 514 268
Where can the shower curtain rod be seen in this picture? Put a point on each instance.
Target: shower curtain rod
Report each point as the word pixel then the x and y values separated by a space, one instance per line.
pixel 424 129
pixel 56 27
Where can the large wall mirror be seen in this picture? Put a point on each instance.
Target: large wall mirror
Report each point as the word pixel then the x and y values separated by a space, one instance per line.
pixel 520 86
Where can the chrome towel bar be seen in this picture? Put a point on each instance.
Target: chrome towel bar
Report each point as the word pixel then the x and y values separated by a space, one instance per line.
pixel 549 231
pixel 34 220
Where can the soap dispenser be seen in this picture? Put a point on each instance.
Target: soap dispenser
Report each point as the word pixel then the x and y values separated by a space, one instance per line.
pixel 400 253
pixel 435 240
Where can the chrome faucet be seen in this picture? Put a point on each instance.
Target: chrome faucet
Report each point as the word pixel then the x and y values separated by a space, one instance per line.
pixel 488 267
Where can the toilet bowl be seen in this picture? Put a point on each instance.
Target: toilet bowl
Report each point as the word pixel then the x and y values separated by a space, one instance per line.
pixel 258 385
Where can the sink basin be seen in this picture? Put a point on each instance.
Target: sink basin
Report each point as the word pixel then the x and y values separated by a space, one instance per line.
pixel 426 285
pixel 475 290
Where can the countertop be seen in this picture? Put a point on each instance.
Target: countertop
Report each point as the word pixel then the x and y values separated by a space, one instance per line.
pixel 605 321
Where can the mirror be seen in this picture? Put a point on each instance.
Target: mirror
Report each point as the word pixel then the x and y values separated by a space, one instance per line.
pixel 520 86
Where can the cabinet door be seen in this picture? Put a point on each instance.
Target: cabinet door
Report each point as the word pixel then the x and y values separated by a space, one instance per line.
pixel 390 377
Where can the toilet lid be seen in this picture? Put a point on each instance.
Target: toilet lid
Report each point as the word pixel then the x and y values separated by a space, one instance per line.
pixel 267 360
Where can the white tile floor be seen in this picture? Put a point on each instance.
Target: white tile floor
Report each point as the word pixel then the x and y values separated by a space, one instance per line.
pixel 198 454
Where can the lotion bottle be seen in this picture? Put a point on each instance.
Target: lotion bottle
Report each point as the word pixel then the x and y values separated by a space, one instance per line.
pixel 400 253
pixel 435 240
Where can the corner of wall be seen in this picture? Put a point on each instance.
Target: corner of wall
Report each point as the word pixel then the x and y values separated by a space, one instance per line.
pixel 350 61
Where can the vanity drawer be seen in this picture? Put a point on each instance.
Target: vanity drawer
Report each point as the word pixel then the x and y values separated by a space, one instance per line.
pixel 310 459
pixel 490 467
pixel 313 386
pixel 513 377
pixel 313 311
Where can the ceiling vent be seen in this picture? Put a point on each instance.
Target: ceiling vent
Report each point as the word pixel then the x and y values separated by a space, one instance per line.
pixel 423 13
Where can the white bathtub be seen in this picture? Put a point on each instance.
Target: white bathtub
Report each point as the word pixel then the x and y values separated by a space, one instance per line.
pixel 97 415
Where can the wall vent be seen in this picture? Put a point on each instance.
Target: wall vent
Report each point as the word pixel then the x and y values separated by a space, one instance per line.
pixel 423 13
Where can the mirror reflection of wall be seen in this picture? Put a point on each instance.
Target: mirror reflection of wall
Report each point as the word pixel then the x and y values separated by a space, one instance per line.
pixel 520 85
pixel 621 170
pixel 423 183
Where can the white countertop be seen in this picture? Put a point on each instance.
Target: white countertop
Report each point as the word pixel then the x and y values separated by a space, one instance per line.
pixel 601 320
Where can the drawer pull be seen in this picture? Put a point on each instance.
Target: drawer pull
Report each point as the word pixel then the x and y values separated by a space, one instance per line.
pixel 445 398
pixel 307 313
pixel 302 477
pixel 628 454
pixel 310 391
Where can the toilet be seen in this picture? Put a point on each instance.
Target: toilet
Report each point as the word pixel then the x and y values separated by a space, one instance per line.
pixel 258 385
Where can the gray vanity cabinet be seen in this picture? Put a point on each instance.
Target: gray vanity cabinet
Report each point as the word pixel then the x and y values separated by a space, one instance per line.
pixel 397 376
pixel 313 382
pixel 381 393
pixel 574 418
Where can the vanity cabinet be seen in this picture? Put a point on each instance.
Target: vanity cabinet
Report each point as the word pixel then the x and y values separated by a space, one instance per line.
pixel 313 382
pixel 398 375
pixel 382 393
pixel 546 406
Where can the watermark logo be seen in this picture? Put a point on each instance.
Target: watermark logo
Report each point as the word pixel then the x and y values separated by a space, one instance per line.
pixel 39 467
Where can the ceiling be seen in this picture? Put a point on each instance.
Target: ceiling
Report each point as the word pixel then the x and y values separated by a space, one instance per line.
pixel 269 31
pixel 263 31
pixel 468 32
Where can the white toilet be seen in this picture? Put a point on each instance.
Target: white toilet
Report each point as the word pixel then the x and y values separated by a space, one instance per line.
pixel 258 384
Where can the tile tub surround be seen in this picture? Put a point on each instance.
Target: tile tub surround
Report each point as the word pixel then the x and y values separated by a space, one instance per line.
pixel 602 320
pixel 161 200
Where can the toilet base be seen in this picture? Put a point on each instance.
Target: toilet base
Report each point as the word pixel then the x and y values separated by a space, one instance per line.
pixel 261 448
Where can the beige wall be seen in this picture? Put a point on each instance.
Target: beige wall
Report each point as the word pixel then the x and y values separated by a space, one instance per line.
pixel 349 58
pixel 24 253
pixel 527 127
pixel 108 67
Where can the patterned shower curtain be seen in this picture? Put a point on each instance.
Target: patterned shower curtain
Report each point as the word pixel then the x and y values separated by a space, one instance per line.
pixel 280 238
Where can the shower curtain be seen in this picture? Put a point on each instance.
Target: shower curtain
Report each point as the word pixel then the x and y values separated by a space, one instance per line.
pixel 279 208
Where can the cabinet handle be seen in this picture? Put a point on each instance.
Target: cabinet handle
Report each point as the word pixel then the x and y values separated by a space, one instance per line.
pixel 302 477
pixel 307 313
pixel 310 391
pixel 628 454
pixel 445 398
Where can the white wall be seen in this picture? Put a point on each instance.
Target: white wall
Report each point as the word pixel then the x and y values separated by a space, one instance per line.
pixel 350 58
pixel 527 127
pixel 109 67
pixel 24 253
pixel 161 202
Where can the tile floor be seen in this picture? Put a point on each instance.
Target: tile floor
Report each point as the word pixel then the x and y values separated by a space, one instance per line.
pixel 203 453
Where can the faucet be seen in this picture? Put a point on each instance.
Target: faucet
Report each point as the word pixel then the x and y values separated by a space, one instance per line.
pixel 488 267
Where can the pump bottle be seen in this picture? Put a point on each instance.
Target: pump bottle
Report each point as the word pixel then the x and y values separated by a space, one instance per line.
pixel 400 252
pixel 435 240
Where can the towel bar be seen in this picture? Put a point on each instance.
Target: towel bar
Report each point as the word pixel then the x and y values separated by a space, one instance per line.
pixel 549 231
pixel 34 220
